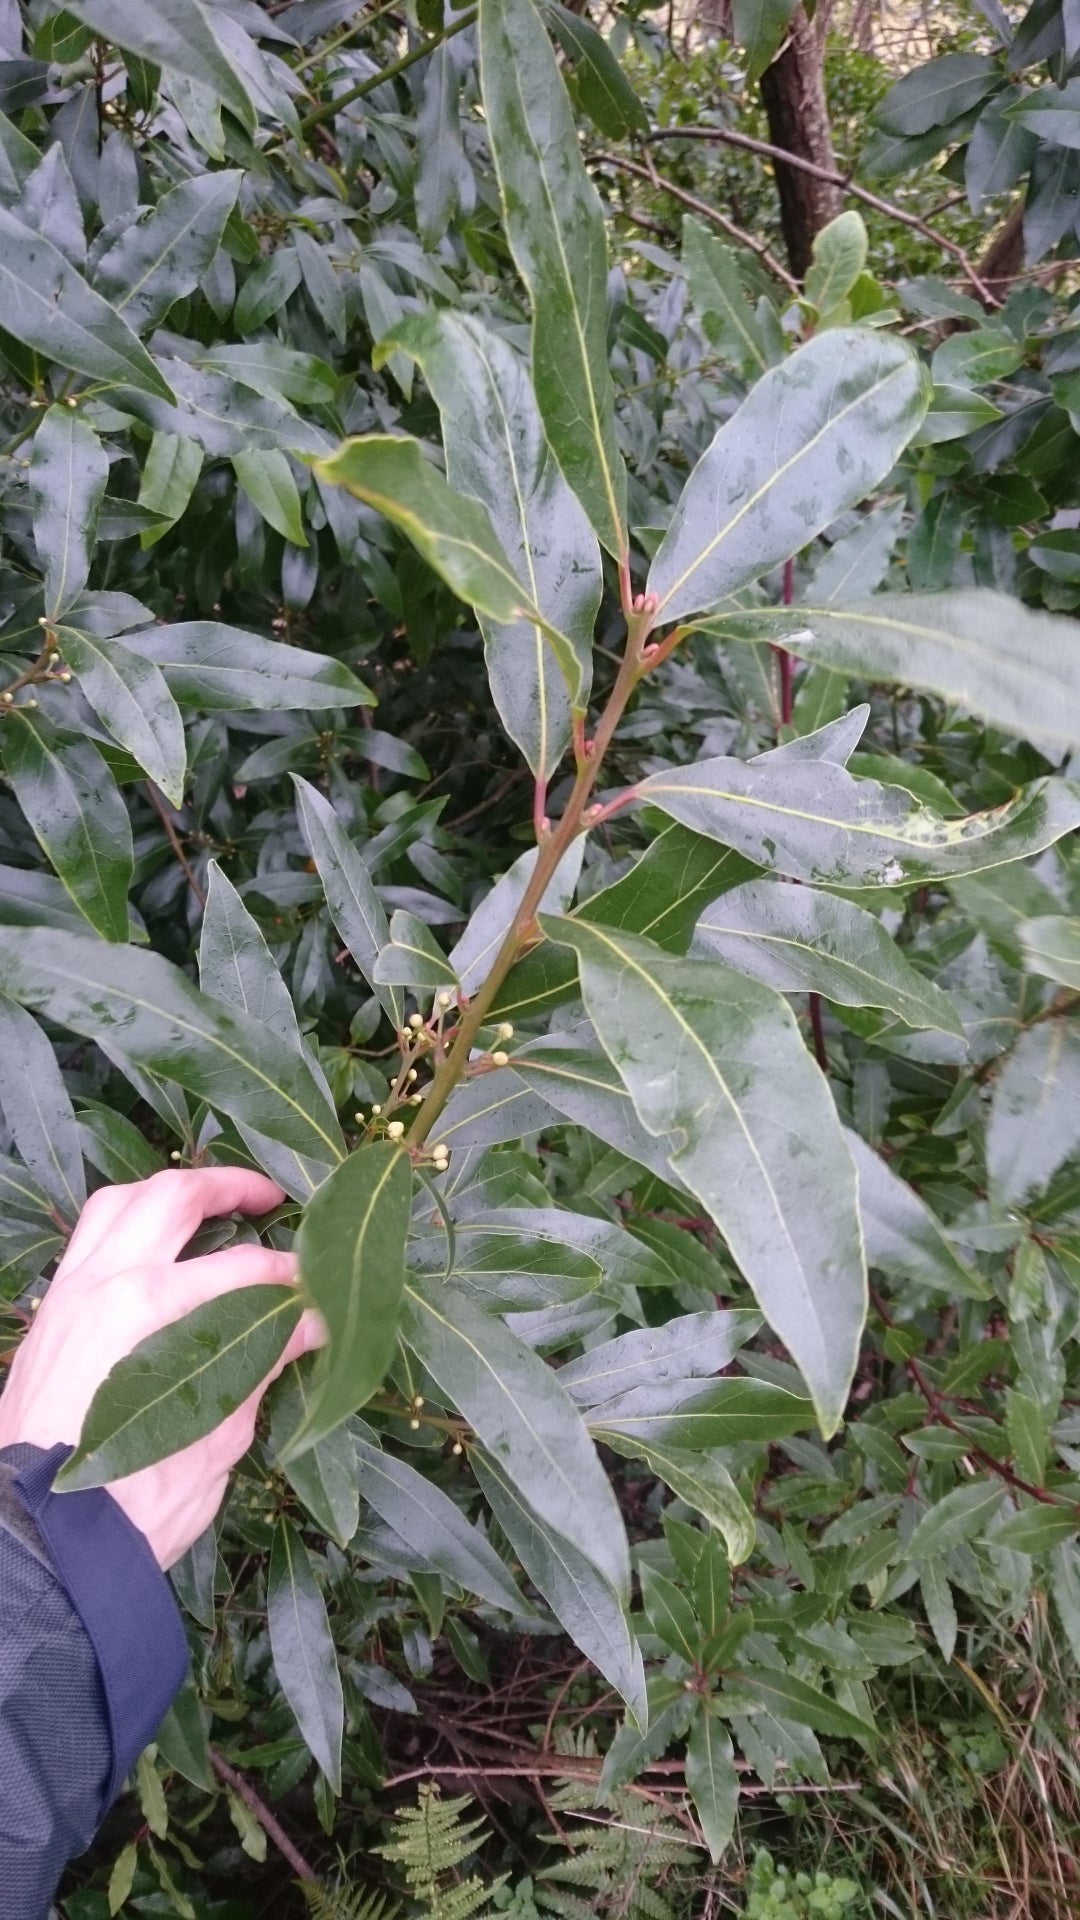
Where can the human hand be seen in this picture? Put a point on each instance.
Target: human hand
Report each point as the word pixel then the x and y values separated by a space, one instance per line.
pixel 119 1281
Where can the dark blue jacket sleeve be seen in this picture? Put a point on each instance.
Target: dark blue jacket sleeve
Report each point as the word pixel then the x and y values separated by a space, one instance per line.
pixel 92 1651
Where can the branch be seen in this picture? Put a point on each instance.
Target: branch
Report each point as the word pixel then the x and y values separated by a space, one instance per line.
pixel 332 107
pixel 728 137
pixel 697 206
pixel 273 1831
pixel 173 838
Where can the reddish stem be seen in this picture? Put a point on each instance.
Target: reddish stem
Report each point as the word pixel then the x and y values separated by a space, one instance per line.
pixel 541 826
pixel 272 1828
pixel 783 658
pixel 818 1031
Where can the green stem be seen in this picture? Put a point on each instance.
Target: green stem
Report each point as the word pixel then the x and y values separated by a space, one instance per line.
pixel 519 934
pixel 332 107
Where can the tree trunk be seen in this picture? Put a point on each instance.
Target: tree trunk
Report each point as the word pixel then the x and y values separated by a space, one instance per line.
pixel 1004 257
pixel 793 93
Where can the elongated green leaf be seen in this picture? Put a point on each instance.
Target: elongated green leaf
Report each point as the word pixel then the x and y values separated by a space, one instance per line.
pixel 711 1779
pixel 172 468
pixel 794 1699
pixel 518 1272
pixel 555 226
pixel 1051 947
pixel 216 667
pixel 181 1382
pixel 440 154
pixel 266 477
pixel 814 821
pixel 68 472
pixel 586 1088
pixel 661 896
pixel 690 1344
pixel 223 415
pixel 148 1010
pixel 902 1236
pixel 131 696
pixel 174 34
pixel 717 1062
pixel 696 1414
pixel 355 908
pixel 804 942
pixel 236 967
pixel 1035 1114
pixel 324 1478
pixel 182 1739
pixel 75 809
pixel 961 1515
pixel 302 1645
pixel 524 1420
pixel 163 256
pixel 351 1249
pixel 937 92
pixel 839 258
pixel 490 1109
pixel 717 291
pixel 621 1257
pixel 815 436
pixel 602 87
pixel 1037 1529
pixel 760 27
pixel 496 452
pixel 582 1596
pixel 429 1521
pixel 37 1110
pixel 413 957
pixel 670 1615
pixel 453 532
pixel 986 653
pixel 46 303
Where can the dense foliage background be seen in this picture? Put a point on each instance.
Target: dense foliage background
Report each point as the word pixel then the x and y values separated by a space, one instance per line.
pixel 262 766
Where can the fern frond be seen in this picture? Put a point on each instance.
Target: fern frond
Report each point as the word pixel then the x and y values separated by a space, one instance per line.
pixel 345 1903
pixel 430 1841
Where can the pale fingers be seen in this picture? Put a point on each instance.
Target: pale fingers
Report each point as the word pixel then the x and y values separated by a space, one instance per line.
pixel 193 1282
pixel 153 1220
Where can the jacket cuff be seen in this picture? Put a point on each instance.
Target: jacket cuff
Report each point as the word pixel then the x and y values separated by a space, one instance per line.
pixel 120 1594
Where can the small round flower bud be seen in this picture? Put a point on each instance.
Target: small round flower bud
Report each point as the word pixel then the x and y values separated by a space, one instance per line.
pixel 500 1059
pixel 7 698
pixel 504 1031
pixel 42 621
pixel 65 676
pixel 395 1130
pixel 376 1108
pixel 359 1118
pixel 416 1099
pixel 415 1425
pixel 176 1154
pixel 457 1447
pixel 416 1020
pixel 418 1401
pixel 411 1075
pixel 30 703
pixel 444 999
pixel 34 1305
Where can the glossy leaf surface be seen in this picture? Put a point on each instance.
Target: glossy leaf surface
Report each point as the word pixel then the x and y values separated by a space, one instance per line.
pixel 351 1249
pixel 814 436
pixel 180 1383
pixel 555 228
pixel 714 1062
pixel 496 452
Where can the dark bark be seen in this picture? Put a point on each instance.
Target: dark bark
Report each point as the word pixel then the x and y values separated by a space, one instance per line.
pixel 793 94
pixel 1004 257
